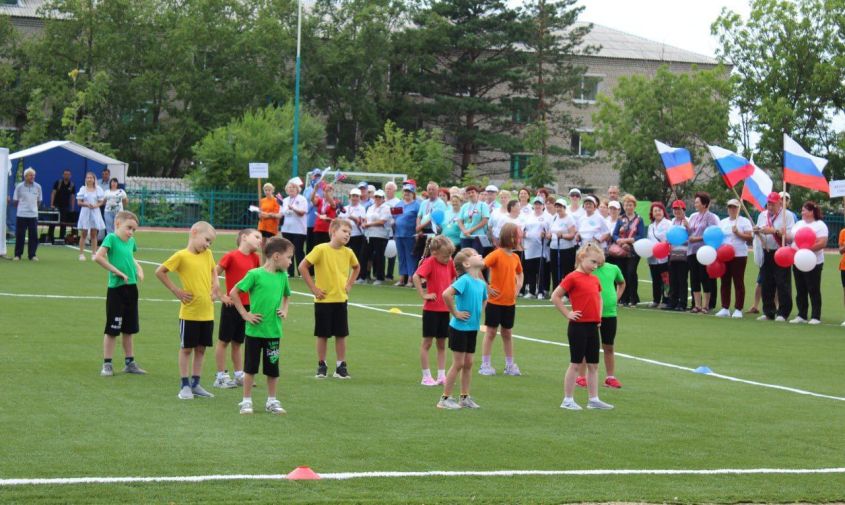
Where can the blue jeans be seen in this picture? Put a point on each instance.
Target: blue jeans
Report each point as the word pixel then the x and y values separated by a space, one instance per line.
pixel 109 219
pixel 405 252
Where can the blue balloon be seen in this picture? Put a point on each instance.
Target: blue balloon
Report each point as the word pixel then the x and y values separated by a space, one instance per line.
pixel 677 235
pixel 438 216
pixel 713 236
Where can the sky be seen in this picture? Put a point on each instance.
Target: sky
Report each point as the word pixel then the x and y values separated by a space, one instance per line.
pixel 679 23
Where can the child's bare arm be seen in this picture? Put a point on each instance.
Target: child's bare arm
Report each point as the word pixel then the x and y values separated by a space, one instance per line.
pixel 101 259
pixel 449 300
pixel 218 271
pixel 161 274
pixel 215 285
pixel 620 288
pixel 418 284
pixel 557 300
pixel 283 310
pixel 139 271
pixel 249 317
pixel 520 279
pixel 352 276
pixel 304 267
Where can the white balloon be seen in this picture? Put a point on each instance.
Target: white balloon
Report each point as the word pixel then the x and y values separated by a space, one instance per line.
pixel 805 260
pixel 706 255
pixel 644 247
pixel 390 250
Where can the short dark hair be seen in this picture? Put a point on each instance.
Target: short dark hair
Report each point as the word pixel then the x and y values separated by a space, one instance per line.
pixel 704 197
pixel 276 245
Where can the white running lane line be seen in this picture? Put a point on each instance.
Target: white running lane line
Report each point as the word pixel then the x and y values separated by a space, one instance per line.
pixel 435 473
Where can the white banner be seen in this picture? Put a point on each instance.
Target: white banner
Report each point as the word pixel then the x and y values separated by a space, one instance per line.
pixel 259 170
pixel 5 171
pixel 837 188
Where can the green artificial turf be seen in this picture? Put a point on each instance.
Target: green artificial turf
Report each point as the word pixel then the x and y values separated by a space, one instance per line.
pixel 61 419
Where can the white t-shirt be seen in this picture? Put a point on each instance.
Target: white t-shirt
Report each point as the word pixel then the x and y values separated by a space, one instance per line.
pixel 294 223
pixel 657 232
pixel 378 213
pixel 744 226
pixel 114 200
pixel 821 231
pixel 769 241
pixel 578 214
pixel 562 225
pixel 592 227
pixel 357 212
pixel 534 225
pixel 497 220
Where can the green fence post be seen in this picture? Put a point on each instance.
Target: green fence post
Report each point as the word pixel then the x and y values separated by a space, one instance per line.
pixel 211 210
pixel 143 206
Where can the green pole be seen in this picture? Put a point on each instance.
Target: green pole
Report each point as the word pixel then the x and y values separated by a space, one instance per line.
pixel 295 168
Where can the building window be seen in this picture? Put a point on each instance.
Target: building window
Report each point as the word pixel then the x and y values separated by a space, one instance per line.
pixel 518 164
pixel 581 144
pixel 588 89
pixel 523 109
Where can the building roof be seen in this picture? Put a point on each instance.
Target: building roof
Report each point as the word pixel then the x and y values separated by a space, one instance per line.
pixel 618 44
pixel 23 9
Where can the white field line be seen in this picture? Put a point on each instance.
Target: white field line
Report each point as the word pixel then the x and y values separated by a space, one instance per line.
pixel 619 354
pixel 435 473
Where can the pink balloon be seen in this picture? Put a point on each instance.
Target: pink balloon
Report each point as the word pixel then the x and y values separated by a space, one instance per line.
pixel 716 269
pixel 725 253
pixel 785 256
pixel 805 238
pixel 662 250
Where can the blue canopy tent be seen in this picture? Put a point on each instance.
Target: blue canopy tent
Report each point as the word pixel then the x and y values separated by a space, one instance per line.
pixel 51 159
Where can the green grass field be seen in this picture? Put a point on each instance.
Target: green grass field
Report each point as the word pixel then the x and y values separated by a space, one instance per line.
pixel 61 419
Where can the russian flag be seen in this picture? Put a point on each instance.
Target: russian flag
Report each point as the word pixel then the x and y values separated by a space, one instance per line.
pixel 801 168
pixel 732 166
pixel 677 161
pixel 757 187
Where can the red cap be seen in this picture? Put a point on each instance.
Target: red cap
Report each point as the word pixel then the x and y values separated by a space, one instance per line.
pixel 679 204
pixel 773 198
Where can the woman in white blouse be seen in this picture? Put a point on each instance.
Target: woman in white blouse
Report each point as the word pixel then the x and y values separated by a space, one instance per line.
pixel 90 198
pixel 377 230
pixel 295 222
pixel 591 226
pixel 659 268
pixel 738 232
pixel 562 245
pixel 536 230
pixel 115 199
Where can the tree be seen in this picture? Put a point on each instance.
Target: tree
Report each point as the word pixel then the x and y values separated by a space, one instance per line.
pixel 685 110
pixel 421 154
pixel 462 57
pixel 789 58
pixel 263 135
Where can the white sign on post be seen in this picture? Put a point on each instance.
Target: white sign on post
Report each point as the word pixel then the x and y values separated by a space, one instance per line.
pixel 259 170
pixel 837 188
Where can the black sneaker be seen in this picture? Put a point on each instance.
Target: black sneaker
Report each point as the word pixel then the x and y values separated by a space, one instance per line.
pixel 341 372
pixel 322 370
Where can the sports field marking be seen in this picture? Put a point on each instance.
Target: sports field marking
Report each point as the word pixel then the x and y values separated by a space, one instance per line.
pixel 434 473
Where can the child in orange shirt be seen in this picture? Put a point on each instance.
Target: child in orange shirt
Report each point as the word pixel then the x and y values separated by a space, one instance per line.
pixel 505 282
pixel 842 260
pixel 269 215
pixel 584 291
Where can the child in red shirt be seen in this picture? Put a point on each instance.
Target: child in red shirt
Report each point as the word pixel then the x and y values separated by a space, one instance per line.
pixel 236 264
pixel 438 270
pixel 584 291
pixel 505 282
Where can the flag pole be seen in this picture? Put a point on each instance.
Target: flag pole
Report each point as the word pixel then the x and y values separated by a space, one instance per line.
pixel 782 208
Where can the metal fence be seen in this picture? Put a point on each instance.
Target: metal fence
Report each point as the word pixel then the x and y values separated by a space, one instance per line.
pixel 181 209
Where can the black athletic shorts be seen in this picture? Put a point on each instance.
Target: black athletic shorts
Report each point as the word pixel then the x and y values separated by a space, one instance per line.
pixel 435 324
pixel 268 234
pixel 499 315
pixel 583 342
pixel 257 350
pixel 331 320
pixel 122 310
pixel 462 341
pixel 195 333
pixel 608 330
pixel 232 325
pixel 842 274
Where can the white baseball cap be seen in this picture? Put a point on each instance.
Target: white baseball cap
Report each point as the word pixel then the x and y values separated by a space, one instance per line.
pixel 491 188
pixel 355 192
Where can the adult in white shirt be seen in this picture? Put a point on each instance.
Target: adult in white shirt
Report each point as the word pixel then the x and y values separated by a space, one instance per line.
pixel 575 209
pixel 295 222
pixel 770 226
pixel 524 197
pixel 377 230
pixel 499 216
pixel 115 200
pixel 355 213
pixel 738 232
pixel 535 232
pixel 808 284
pixel 27 197
pixel 659 268
pixel 90 198
pixel 614 208
pixel 591 226
pixel 391 200
pixel 562 245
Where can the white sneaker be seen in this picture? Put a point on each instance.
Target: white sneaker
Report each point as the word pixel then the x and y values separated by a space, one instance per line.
pixel 398 284
pixel 246 407
pixel 737 314
pixel 797 320
pixel 377 283
pixel 528 296
pixel 185 393
pixel 486 370
pixel 598 404
pixel 360 281
pixel 448 404
pixel 570 405
pixel 762 318
pixel 224 382
pixel 274 407
pixel 780 319
pixel 723 313
pixel 81 257
pixel 814 321
pixel 539 296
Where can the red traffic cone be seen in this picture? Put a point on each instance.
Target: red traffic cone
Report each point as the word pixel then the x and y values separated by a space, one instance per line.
pixel 303 473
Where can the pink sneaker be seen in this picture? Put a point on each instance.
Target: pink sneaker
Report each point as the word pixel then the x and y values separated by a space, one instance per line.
pixel 428 381
pixel 581 382
pixel 441 380
pixel 611 382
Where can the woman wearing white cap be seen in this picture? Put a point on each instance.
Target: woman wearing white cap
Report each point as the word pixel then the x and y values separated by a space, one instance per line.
pixel 591 226
pixel 377 230
pixel 562 246
pixel 536 230
pixel 356 214
pixel 295 219
pixel 575 209
pixel 738 232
